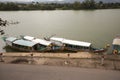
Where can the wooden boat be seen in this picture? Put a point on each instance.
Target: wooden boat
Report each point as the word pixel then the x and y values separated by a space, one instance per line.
pixel 28 43
pixel 71 45
pixel 102 50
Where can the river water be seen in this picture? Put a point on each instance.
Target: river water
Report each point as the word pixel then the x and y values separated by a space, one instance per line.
pixel 98 27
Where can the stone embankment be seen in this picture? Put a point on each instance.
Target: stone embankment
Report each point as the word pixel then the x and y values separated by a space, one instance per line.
pixel 80 59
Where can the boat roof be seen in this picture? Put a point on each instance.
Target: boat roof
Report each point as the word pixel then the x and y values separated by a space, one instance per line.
pixel 78 43
pixel 71 42
pixel 41 41
pixel 28 37
pixel 36 40
pixel 24 43
pixel 57 39
pixel 11 39
pixel 116 41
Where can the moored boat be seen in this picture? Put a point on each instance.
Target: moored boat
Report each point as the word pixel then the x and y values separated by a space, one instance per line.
pixel 71 45
pixel 28 43
pixel 22 44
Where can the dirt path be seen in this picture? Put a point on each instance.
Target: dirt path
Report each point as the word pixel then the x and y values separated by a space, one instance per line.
pixel 39 72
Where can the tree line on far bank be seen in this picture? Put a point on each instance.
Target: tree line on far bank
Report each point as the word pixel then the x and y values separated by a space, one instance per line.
pixel 87 4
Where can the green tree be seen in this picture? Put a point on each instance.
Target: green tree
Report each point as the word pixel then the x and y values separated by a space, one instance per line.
pixel 100 5
pixel 10 6
pixel 76 5
pixel 89 4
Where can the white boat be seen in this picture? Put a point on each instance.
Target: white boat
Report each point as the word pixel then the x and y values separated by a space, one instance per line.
pixel 28 43
pixel 72 45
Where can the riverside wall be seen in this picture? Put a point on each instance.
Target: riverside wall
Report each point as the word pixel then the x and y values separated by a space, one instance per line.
pixel 80 59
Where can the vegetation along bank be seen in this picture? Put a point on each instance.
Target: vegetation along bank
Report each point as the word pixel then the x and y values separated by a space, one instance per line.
pixel 87 4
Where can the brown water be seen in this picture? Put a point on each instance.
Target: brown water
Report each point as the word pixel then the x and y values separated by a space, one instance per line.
pixel 96 26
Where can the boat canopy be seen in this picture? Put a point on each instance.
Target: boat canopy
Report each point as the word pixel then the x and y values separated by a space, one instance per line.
pixel 11 39
pixel 43 42
pixel 57 39
pixel 36 40
pixel 71 42
pixel 116 41
pixel 28 37
pixel 24 43
pixel 77 43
